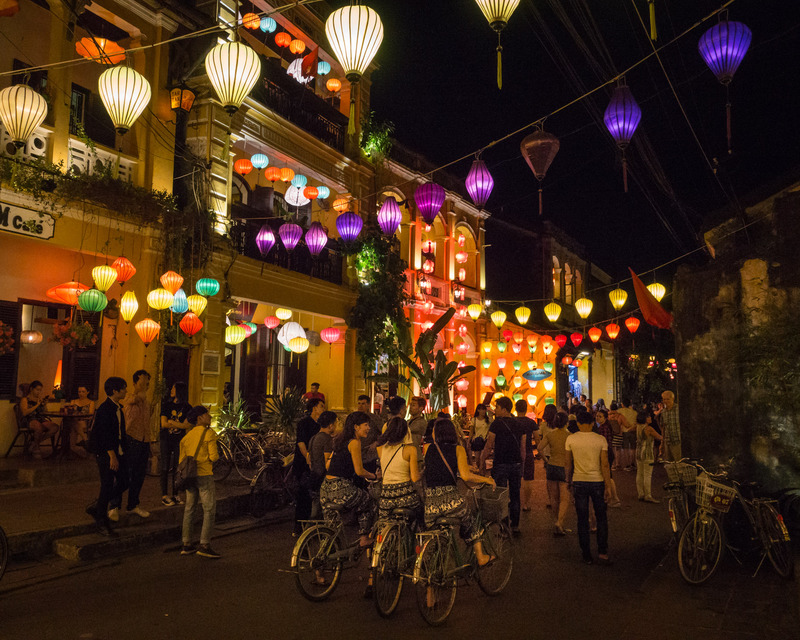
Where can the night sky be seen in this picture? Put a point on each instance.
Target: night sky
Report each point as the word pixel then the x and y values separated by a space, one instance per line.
pixel 436 83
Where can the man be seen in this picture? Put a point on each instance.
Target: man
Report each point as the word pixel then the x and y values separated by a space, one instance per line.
pixel 107 442
pixel 506 439
pixel 532 437
pixel 306 429
pixel 589 476
pixel 138 437
pixel 314 394
pixel 320 450
pixel 670 427
pixel 417 423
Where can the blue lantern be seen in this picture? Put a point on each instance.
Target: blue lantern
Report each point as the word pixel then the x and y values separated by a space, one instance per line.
pixel 323 68
pixel 299 181
pixel 179 302
pixel 268 25
pixel 323 192
pixel 259 160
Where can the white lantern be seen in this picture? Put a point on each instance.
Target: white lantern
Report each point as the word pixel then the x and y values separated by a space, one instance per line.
pixel 355 33
pixel 21 111
pixel 233 69
pixel 497 12
pixel 290 330
pixel 294 196
pixel 125 93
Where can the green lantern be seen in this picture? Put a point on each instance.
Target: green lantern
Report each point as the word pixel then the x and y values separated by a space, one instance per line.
pixel 252 326
pixel 516 364
pixel 486 363
pixel 501 347
pixel 501 380
pixel 548 366
pixel 517 397
pixel 92 300
pixel 549 400
pixel 207 287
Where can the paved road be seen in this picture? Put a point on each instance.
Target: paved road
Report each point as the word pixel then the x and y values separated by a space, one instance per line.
pixel 160 595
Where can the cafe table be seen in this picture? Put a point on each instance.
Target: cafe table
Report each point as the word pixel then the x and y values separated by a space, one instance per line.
pixel 64 450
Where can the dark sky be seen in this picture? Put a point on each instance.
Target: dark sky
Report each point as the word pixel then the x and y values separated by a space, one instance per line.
pixel 436 82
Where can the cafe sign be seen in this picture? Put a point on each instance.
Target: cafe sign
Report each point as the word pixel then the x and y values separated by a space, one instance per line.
pixel 26 222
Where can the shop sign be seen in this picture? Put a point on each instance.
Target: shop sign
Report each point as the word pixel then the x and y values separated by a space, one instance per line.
pixel 26 222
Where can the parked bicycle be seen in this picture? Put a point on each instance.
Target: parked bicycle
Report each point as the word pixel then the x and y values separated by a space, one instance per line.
pixel 681 490
pixel 393 558
pixel 702 541
pixel 246 455
pixel 3 552
pixel 270 487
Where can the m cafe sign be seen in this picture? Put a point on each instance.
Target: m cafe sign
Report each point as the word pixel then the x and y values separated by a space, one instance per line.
pixel 26 222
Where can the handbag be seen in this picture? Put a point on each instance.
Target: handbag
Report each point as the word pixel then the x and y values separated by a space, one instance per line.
pixel 186 476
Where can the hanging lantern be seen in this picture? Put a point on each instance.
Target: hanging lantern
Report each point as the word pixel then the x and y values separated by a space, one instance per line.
pixel 283 39
pixel 723 48
pixel 271 322
pixel 594 334
pixel 283 314
pixel 429 198
pixel 128 306
pixel 290 234
pixel 349 225
pixel 584 307
pixel 179 303
pixel 298 344
pixel 427 306
pixel 508 335
pixel 294 196
pixel 267 24
pixel 197 304
pixel 333 85
pixel 618 298
pixel 235 334
pixel 501 380
pixel 160 299
pixel 341 204
pixel 124 269
pixel 287 174
pixel 517 380
pixel 547 348
pixel 323 192
pixel 258 160
pixel 539 150
pixel 531 340
pixel 566 360
pixel 552 311
pixel 657 290
pixel 148 330
pixel 486 381
pixel 389 216
pixel 323 68
pixel 427 325
pixel 474 311
pixel 501 346
pixel 548 385
pixel 516 348
pixel 299 181
pixel 297 46
pixel 249 327
pixel 22 110
pixel 531 399
pixel 428 266
pixel 251 21
pixel 577 362
pixel 479 183
pixel 311 193
pixel 622 116
pixel 190 324
pixel 265 239
pixel 462 257
pixel 498 318
pixel 548 367
pixel 461 401
pixel 463 349
pixel 425 284
pixel 517 364
pixel 523 314
pixel 518 337
pixel 207 287
pixel 462 384
pixel 233 69
pixel 576 338
pixel 486 346
pixel 273 174
pixel 31 337
pixel 462 330
pixel 428 246
pixel 125 93
pixel 632 324
pixel 104 276
pixel 67 292
pixel 462 275
pixel 243 166
pixel 498 13
pixel 612 330
pixel 330 335
pixel 100 50
pixel 531 364
pixel 92 300
pixel 171 281
pixel 560 340
pixel 316 238
pixel 486 363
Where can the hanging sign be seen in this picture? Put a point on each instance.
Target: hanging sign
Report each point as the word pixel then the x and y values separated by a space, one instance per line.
pixel 26 222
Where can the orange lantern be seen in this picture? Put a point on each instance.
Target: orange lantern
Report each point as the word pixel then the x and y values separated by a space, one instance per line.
pixel 297 46
pixel 531 340
pixel 287 174
pixel 333 85
pixel 577 362
pixel 243 166
pixel 148 330
pixel 566 360
pixel 100 50
pixel 251 21
pixel 125 269
pixel 273 174
pixel 283 39
pixel 341 204
pixel 190 324
pixel 171 281
pixel 594 334
pixel 612 330
pixel 311 193
pixel 518 337
pixel 67 292
pixel 632 324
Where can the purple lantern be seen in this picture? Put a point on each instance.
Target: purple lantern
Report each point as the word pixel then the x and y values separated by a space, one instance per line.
pixel 349 225
pixel 389 216
pixel 290 234
pixel 622 116
pixel 265 239
pixel 479 182
pixel 429 198
pixel 316 238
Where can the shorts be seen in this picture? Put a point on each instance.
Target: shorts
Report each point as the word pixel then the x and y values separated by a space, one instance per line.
pixel 556 474
pixel 629 439
pixel 616 441
pixel 529 467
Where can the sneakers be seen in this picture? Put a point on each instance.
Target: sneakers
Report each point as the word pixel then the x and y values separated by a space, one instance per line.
pixel 113 514
pixel 188 549
pixel 167 501
pixel 206 551
pixel 140 512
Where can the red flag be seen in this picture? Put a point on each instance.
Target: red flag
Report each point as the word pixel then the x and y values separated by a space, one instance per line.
pixel 652 311
pixel 308 69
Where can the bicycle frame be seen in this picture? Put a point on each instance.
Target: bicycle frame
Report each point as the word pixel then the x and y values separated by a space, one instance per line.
pixel 409 549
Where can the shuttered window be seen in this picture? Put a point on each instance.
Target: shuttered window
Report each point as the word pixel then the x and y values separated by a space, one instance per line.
pixel 82 366
pixel 10 314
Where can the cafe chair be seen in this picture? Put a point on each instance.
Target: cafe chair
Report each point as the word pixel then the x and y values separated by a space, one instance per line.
pixel 24 431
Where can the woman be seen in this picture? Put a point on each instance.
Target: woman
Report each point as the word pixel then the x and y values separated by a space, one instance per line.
pixel 399 469
pixel 444 458
pixel 556 474
pixel 615 421
pixel 645 435
pixel 31 408
pixel 478 430
pixel 79 426
pixel 202 440
pixel 545 426
pixel 173 428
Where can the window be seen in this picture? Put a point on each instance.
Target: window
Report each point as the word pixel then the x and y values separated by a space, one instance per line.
pixel 36 80
pixel 9 315
pixel 556 278
pixel 578 285
pixel 568 284
pixel 87 111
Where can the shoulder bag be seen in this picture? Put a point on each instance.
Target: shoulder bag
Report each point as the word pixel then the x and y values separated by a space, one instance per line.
pixel 186 476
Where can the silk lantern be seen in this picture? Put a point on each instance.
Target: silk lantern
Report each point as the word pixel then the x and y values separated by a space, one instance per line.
pixel 560 340
pixel 316 238
pixel 148 330
pixel 273 174
pixel 171 281
pixel 283 314
pixel 160 299
pixel 429 198
pixel 125 93
pixel 271 322
pixel 251 21
pixel 197 304
pixel 124 268
pixel 311 193
pixel 657 290
pixel 576 338
pixel 341 204
pixel 612 330
pixel 486 363
pixel 497 14
pixel 233 69
pixel 486 381
pixel 267 24
pixel 632 324
pixel 498 318
pixel 539 150
pixel 243 166
pixel 190 324
pixel 552 311
pixel 259 160
pixel 22 110
pixel 594 334
pixel 265 239
pixel 618 298
pixel 523 314
pixel 235 334
pixel 479 183
pixel 349 225
pixel 474 311
pixel 104 276
pixel 584 307
pixel 516 348
pixel 621 117
pixel 290 235
pixel 92 300
pixel 333 85
pixel 330 335
pixel 283 39
pixel 323 192
pixel 128 306
pixel 486 346
pixel 179 302
pixel 501 346
pixel 207 287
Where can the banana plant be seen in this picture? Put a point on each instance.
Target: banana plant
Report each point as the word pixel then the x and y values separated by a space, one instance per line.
pixel 434 371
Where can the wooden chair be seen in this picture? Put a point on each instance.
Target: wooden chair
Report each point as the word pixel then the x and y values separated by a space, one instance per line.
pixel 22 430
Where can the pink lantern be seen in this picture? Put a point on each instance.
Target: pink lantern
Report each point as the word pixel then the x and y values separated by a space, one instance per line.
pixel 462 401
pixel 330 335
pixel 462 274
pixel 462 257
pixel 271 322
pixel 462 330
pixel 463 348
pixel 501 362
pixel 516 348
pixel 487 381
pixel 462 385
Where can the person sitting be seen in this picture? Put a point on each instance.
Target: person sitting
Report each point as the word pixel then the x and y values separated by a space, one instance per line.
pixel 31 408
pixel 399 468
pixel 85 405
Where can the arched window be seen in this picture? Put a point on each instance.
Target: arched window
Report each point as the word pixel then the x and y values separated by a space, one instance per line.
pixel 578 285
pixel 568 284
pixel 556 278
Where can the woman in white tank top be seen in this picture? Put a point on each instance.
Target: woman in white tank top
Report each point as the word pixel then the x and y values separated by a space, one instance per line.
pixel 399 469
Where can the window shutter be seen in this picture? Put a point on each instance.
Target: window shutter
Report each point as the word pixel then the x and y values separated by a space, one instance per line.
pixel 81 367
pixel 10 315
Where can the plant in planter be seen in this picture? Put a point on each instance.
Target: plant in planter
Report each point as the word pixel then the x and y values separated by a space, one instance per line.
pixel 7 339
pixel 234 416
pixel 74 334
pixel 281 413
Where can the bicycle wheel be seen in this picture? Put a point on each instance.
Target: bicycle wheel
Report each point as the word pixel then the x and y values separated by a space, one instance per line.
pixel 223 465
pixel 434 575
pixel 387 579
pixel 247 458
pixel 3 552
pixel 317 573
pixel 678 514
pixel 264 494
pixel 700 548
pixel 776 540
pixel 493 577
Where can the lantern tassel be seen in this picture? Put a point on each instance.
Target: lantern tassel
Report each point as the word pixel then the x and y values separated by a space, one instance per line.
pixel 653 32
pixel 625 172
pixel 351 122
pixel 499 66
pixel 540 198
pixel 728 125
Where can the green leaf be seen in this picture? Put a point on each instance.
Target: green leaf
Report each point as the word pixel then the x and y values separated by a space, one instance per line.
pixel 441 323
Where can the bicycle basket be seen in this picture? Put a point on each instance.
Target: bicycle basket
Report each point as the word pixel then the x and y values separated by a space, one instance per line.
pixel 493 503
pixel 681 472
pixel 714 495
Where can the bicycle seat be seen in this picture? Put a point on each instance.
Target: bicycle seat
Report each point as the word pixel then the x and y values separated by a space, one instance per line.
pixel 447 522
pixel 405 514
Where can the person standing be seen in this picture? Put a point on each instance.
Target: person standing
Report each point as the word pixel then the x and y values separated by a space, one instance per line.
pixel 555 441
pixel 531 430
pixel 173 428
pixel 203 440
pixel 628 435
pixel 670 427
pixel 107 442
pixel 478 431
pixel 320 448
pixel 645 435
pixel 417 423
pixel 307 428
pixel 589 476
pixel 545 426
pixel 314 394
pixel 137 445
pixel 369 448
pixel 507 440
pixel 604 428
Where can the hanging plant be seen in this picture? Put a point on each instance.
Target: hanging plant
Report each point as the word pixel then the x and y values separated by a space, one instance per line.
pixel 376 136
pixel 74 334
pixel 7 339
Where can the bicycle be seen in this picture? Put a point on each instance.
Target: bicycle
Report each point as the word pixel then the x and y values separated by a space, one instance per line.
pixel 269 489
pixel 393 558
pixel 3 552
pixel 440 562
pixel 245 452
pixel 702 540
pixel 680 489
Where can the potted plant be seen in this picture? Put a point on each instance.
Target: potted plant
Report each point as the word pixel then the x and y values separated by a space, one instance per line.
pixel 7 339
pixel 74 334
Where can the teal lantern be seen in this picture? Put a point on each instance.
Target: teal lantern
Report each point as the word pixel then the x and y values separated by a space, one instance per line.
pixel 286 348
pixel 501 347
pixel 486 363
pixel 179 302
pixel 92 300
pixel 252 326
pixel 323 67
pixel 267 24
pixel 548 366
pixel 207 287
pixel 517 397
pixel 299 181
pixel 323 192
pixel 501 380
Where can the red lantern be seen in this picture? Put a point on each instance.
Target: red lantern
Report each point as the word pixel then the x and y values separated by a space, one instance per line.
pixel 576 338
pixel 311 193
pixel 428 266
pixel 270 322
pixel 632 324
pixel 508 335
pixel 67 292
pixel 462 275
pixel 330 335
pixel 124 268
pixel 462 385
pixel 148 330
pixel 273 174
pixel 243 166
pixel 190 324
pixel 283 39
pixel 171 281
pixel 594 334
pixel 463 348
pixel 566 360
pixel 427 306
pixel 462 330
pixel 612 330
pixel 561 340
pixel 577 363
pixel 462 257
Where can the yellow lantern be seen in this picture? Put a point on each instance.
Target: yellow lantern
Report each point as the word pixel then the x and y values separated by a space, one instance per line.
pixel 298 344
pixel 128 306
pixel 618 298
pixel 531 364
pixel 160 299
pixel 125 94
pixel 197 304
pixel 552 311
pixel 657 289
pixel 547 347
pixel 584 307
pixel 497 395
pixel 498 317
pixel 523 314
pixel 548 385
pixel 487 347
pixel 104 276
pixel 283 314
pixel 22 110
pixel 355 33
pixel 517 382
pixel 531 399
pixel 235 333
pixel 474 311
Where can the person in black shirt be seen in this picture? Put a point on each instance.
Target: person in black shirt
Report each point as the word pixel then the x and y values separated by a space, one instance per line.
pixel 173 427
pixel 307 428
pixel 507 440
pixel 532 437
pixel 320 448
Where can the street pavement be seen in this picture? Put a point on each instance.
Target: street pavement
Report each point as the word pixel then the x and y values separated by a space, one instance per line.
pixel 159 594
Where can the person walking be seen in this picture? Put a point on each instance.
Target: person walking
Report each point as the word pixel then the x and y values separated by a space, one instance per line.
pixel 604 427
pixel 478 431
pixel 531 430
pixel 555 472
pixel 615 421
pixel 670 427
pixel 173 428
pixel 645 436
pixel 202 440
pixel 588 474
pixel 306 429
pixel 545 426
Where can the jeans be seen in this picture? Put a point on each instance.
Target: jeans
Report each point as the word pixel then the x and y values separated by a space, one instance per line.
pixel 205 490
pixel 170 446
pixel 510 475
pixel 595 491
pixel 137 454
pixel 112 485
